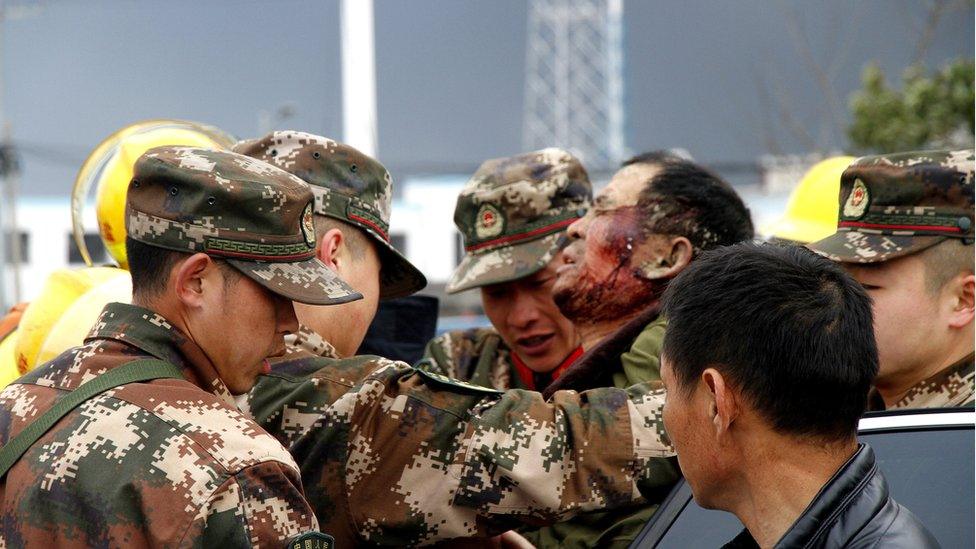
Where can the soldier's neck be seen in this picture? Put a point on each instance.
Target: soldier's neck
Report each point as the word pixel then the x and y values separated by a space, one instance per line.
pixel 338 325
pixel 893 388
pixel 167 307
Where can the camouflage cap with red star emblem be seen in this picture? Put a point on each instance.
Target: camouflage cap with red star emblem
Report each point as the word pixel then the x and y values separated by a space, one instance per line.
pixel 513 215
pixel 254 216
pixel 349 186
pixel 894 205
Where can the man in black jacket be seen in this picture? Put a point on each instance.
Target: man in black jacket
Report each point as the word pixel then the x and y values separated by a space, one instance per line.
pixel 768 359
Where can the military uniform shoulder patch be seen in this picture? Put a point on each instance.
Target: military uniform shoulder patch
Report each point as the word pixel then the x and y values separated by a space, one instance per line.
pixel 308 225
pixel 489 222
pixel 312 540
pixel 857 201
pixel 439 379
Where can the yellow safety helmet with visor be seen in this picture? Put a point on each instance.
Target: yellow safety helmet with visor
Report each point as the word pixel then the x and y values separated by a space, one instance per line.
pixel 109 168
pixel 811 212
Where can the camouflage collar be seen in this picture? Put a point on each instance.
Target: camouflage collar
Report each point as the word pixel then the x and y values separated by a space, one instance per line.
pixel 307 340
pixel 153 334
pixel 949 387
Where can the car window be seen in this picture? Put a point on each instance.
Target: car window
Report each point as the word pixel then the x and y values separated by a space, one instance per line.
pixel 698 528
pixel 930 472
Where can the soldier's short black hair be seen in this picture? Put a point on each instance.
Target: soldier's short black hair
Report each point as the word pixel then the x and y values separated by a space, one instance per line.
pixel 150 267
pixel 789 329
pixel 699 204
pixel 945 261
pixel 356 239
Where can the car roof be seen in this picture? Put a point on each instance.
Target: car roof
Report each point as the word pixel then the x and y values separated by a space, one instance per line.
pixel 914 418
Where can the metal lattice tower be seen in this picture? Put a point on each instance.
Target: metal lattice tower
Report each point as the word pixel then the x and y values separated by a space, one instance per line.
pixel 574 79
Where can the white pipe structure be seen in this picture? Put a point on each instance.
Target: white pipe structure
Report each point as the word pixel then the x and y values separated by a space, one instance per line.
pixel 616 144
pixel 358 75
pixel 574 87
pixel 4 202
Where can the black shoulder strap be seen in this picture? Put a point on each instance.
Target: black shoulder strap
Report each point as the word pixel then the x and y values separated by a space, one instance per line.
pixel 130 372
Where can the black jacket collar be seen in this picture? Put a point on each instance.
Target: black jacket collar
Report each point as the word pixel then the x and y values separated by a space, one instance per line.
pixel 852 509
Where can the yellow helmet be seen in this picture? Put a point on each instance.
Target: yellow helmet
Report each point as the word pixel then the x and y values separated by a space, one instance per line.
pixel 109 169
pixel 70 329
pixel 811 213
pixel 60 290
pixel 8 360
pixel 8 339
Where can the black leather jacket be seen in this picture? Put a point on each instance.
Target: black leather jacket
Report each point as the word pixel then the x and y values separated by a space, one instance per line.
pixel 853 509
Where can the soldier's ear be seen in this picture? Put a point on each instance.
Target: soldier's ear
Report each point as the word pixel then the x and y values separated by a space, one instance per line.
pixel 189 278
pixel 962 312
pixel 330 245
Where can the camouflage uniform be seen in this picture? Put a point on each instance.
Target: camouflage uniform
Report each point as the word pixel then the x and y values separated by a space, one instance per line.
pixel 306 342
pixel 480 351
pixel 477 355
pixel 351 187
pixel 480 356
pixel 165 463
pixel 900 204
pixel 170 462
pixel 951 387
pixel 394 455
pixel 513 213
pixel 629 356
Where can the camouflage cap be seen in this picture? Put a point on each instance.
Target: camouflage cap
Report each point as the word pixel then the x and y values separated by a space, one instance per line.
pixel 348 185
pixel 255 216
pixel 898 204
pixel 513 213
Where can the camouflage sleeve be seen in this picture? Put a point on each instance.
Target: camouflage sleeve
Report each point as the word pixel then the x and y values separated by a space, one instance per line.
pixel 437 357
pixel 261 506
pixel 288 402
pixel 427 458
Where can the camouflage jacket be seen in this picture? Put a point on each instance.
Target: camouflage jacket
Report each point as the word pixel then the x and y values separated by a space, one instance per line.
pixel 481 357
pixel 477 355
pixel 953 386
pixel 398 456
pixel 639 361
pixel 166 463
pixel 307 342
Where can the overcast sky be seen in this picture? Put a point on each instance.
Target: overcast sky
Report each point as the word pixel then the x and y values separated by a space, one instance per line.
pixel 713 77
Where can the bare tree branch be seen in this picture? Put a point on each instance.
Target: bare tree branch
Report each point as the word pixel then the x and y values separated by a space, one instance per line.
pixel 832 108
pixel 766 128
pixel 784 104
pixel 936 10
pixel 839 60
